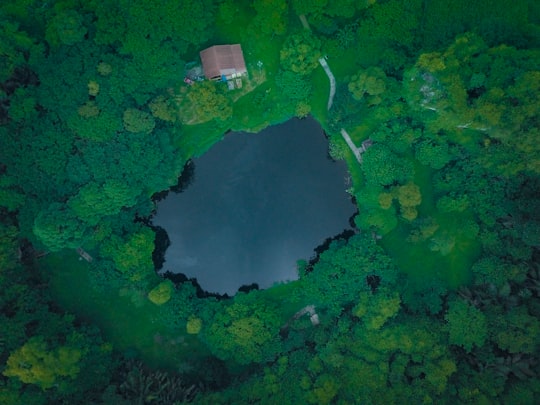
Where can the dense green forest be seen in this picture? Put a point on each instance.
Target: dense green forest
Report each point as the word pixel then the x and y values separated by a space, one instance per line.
pixel 434 299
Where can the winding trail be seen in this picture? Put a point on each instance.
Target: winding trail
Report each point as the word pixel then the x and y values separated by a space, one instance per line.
pixel 322 61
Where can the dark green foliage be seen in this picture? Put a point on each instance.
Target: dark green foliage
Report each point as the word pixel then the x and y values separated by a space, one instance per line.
pixel 95 119
pixel 383 167
pixel 141 385
pixel 467 325
pixel 59 227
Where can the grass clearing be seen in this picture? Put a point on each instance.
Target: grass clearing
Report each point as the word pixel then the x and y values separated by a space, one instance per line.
pixel 418 259
pixel 126 317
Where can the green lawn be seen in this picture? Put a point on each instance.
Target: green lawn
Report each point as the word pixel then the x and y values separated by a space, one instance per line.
pixel 126 318
pixel 417 259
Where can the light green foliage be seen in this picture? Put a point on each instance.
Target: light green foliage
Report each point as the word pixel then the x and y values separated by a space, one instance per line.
pixel 368 85
pixel 133 256
pixel 376 309
pixel 382 220
pixel 324 390
pixel 58 227
pixel 194 326
pixel 205 102
pixel 163 108
pixel 409 197
pixel 438 372
pixel 423 229
pixel 243 333
pixel 342 272
pixel 470 86
pixel 443 242
pixel 517 331
pixel 467 325
pixel 138 121
pixel 161 293
pixel 301 52
pixel 35 363
pixel 95 201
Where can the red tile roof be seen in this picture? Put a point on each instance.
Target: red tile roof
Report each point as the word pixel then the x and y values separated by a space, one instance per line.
pixel 223 60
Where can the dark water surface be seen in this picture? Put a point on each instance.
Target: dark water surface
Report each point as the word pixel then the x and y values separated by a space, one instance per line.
pixel 258 203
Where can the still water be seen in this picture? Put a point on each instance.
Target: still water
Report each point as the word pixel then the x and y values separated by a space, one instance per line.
pixel 257 204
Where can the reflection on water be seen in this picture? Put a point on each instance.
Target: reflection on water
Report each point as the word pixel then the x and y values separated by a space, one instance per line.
pixel 259 202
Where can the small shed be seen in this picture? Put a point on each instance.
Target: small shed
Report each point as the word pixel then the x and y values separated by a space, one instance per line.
pixel 223 62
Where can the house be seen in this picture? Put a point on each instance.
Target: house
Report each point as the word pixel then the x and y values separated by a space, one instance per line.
pixel 223 62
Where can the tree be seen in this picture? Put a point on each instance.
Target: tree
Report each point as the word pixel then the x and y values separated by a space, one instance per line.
pixel 65 28
pixel 368 85
pixel 59 227
pixel 204 102
pixel 95 201
pixel 163 108
pixel 161 293
pixel 133 256
pixel 375 309
pixel 432 153
pixel 271 17
pixel 467 325
pixel 383 167
pixel 300 53
pixel 409 198
pixel 516 331
pixel 194 326
pixel 243 333
pixel 382 221
pixel 35 363
pixel 138 121
pixel 294 90
pixel 11 197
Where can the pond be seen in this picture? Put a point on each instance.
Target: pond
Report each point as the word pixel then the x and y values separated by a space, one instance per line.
pixel 257 204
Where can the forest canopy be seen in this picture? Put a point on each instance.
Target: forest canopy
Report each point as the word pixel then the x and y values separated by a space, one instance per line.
pixel 433 298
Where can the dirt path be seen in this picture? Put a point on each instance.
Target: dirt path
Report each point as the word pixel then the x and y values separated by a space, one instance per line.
pixel 332 79
pixel 324 64
pixel 304 22
pixel 357 151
